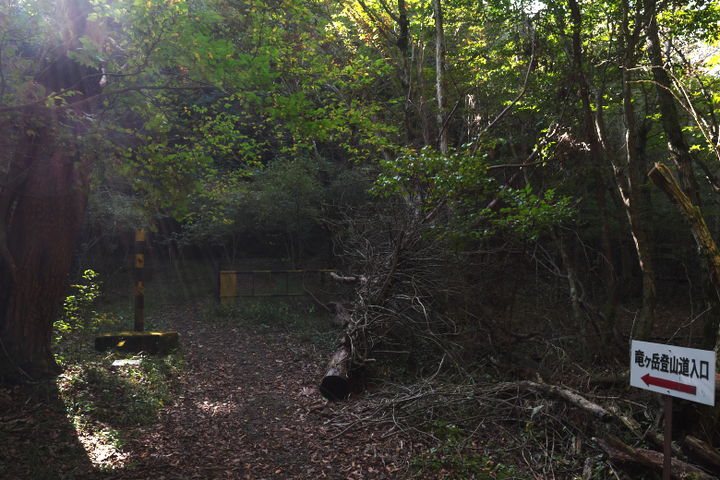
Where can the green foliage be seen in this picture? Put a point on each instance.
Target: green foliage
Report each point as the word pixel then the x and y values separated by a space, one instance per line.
pixel 453 459
pixel 285 196
pixel 696 21
pixel 462 181
pixel 78 320
pixel 114 212
pixel 288 197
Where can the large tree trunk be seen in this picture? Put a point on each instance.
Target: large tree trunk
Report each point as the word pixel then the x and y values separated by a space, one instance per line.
pixel 663 179
pixel 43 230
pixel 41 212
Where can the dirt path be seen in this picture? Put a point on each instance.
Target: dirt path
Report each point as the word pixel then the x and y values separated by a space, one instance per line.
pixel 250 410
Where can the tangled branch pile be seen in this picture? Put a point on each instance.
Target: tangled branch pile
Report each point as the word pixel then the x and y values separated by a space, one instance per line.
pixel 417 295
pixel 475 420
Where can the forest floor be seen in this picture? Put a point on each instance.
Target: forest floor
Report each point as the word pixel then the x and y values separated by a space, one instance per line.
pixel 246 406
pixel 250 409
pixel 243 404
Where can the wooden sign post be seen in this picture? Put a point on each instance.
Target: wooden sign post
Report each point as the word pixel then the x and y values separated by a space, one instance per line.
pixel 139 279
pixel 680 372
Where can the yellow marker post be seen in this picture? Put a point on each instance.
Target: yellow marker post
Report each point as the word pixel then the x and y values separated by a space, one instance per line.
pixel 139 279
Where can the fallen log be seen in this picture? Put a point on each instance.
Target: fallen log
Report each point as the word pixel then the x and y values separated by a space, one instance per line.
pixel 352 279
pixel 571 397
pixel 620 452
pixel 337 383
pixel 702 451
pixel 632 425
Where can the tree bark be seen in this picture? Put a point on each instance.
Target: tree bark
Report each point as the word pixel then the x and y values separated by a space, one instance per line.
pixel 680 153
pixel 403 43
pixel 571 397
pixel 595 152
pixel 702 451
pixel 337 383
pixel 42 212
pixel 663 179
pixel 620 452
pixel 574 286
pixel 627 174
pixel 440 50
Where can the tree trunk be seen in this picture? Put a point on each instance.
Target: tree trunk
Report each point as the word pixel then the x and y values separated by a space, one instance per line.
pixel 628 184
pixel 663 179
pixel 680 153
pixel 440 76
pixel 574 286
pixel 702 451
pixel 593 141
pixel 625 267
pixel 46 220
pixel 41 213
pixel 405 69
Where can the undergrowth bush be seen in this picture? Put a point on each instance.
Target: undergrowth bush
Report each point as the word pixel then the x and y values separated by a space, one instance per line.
pixel 78 321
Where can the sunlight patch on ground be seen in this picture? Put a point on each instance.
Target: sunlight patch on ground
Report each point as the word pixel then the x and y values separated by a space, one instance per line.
pixel 101 447
pixel 213 409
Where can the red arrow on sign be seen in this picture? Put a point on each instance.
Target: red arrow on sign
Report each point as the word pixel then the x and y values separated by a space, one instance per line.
pixel 669 384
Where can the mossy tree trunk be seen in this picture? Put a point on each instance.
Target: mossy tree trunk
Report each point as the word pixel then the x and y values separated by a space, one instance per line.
pixel 664 180
pixel 680 153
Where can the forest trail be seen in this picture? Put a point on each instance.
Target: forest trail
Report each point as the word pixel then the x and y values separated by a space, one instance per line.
pixel 250 409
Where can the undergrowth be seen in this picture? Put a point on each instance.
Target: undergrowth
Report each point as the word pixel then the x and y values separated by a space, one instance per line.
pixel 105 404
pixel 122 397
pixel 306 321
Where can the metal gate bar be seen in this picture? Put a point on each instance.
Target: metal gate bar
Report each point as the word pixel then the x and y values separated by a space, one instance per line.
pixel 228 282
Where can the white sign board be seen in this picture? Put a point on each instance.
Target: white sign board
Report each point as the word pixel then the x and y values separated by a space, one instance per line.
pixel 680 372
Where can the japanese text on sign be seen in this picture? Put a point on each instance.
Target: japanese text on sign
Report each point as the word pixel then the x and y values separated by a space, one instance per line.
pixel 674 365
